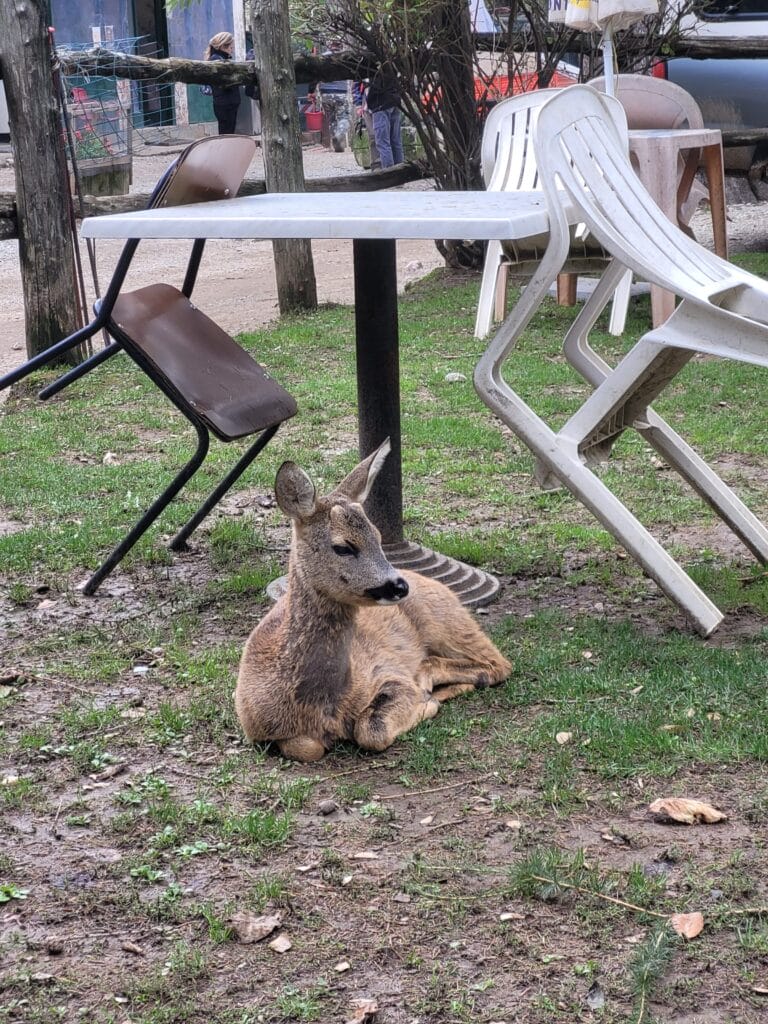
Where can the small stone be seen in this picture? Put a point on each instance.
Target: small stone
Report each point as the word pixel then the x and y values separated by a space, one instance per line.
pixel 344 965
pixel 326 807
pixel 454 378
pixel 281 944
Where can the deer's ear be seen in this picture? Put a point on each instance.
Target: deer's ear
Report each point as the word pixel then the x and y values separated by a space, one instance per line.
pixel 294 491
pixel 358 484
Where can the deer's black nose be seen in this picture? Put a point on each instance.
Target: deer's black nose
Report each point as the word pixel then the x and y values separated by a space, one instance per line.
pixel 389 592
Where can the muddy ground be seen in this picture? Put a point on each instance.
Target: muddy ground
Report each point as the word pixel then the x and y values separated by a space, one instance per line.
pixel 391 885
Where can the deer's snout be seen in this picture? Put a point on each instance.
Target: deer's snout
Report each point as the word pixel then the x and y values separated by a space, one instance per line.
pixel 390 592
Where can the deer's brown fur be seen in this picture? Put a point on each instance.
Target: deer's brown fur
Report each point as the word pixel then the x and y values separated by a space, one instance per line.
pixel 338 656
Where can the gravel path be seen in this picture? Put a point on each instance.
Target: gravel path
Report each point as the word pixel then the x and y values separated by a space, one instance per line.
pixel 237 285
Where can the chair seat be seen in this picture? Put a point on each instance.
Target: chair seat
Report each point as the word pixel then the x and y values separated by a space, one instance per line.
pixel 229 390
pixel 583 248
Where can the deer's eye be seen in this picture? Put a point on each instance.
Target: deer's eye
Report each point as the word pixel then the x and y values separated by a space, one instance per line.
pixel 345 549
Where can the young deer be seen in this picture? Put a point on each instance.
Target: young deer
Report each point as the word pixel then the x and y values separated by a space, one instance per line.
pixel 338 656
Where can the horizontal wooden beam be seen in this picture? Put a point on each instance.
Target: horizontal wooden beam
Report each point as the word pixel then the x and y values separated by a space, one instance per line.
pixel 113 63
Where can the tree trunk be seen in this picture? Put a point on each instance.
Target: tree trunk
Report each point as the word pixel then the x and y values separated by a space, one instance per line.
pixel 42 191
pixel 281 146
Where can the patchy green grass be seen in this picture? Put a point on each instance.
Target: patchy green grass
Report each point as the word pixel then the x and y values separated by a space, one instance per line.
pixel 136 823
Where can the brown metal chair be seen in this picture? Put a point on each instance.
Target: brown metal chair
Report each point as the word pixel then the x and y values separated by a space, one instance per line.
pixel 210 379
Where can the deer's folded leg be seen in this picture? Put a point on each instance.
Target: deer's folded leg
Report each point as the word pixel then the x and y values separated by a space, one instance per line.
pixel 399 705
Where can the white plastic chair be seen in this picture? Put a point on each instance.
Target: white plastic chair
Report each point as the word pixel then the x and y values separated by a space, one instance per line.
pixel 582 159
pixel 509 165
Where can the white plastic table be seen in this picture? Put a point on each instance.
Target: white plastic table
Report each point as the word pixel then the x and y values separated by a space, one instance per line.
pixel 374 221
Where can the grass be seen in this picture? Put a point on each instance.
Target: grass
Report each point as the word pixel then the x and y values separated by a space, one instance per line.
pixel 120 741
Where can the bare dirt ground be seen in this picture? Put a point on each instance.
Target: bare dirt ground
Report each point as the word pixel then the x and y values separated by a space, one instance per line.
pixel 236 286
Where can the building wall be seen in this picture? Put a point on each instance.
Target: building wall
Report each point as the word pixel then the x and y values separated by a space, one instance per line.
pixel 80 23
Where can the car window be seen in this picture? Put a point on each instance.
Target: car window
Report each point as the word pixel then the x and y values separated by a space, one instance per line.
pixel 732 10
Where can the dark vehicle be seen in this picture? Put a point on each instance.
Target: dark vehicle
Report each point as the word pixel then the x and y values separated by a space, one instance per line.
pixel 732 92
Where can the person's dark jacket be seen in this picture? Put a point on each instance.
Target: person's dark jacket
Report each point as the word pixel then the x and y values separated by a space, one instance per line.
pixel 252 90
pixel 227 95
pixel 383 92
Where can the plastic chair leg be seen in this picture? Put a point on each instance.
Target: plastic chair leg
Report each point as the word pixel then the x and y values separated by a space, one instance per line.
pixel 567 285
pixel 179 542
pixel 485 304
pixel 620 306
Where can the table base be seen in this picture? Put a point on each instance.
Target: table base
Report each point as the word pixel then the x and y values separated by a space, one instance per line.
pixel 474 587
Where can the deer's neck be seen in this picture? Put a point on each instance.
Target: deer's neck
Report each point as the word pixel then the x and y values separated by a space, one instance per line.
pixel 320 634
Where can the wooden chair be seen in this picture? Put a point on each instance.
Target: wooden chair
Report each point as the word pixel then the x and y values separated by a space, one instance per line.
pixel 210 379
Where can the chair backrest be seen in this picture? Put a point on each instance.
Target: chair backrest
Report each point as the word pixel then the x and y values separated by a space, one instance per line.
pixel 208 169
pixel 506 153
pixel 579 148
pixel 653 102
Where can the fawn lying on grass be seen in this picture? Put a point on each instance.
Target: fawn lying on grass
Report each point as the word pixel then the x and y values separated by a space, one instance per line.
pixel 338 657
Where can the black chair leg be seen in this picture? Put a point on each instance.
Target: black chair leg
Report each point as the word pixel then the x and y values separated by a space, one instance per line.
pixel 152 512
pixel 79 371
pixel 179 542
pixel 42 358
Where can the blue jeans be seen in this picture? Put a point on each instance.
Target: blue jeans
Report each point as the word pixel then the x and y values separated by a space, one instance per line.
pixel 386 132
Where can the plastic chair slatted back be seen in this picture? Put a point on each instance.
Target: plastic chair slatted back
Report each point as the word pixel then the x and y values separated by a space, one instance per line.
pixel 509 164
pixel 623 215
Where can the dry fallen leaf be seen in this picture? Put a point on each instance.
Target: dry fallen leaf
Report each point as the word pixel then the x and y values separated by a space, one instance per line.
pixel 685 811
pixel 281 944
pixel 687 925
pixel 563 737
pixel 365 855
pixel 132 947
pixel 249 927
pixel 428 820
pixel 363 1011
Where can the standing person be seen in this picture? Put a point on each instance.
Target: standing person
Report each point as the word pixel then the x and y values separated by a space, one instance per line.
pixel 384 105
pixel 226 99
pixel 360 94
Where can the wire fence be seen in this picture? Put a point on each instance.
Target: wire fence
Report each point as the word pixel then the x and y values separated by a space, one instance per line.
pixel 104 107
